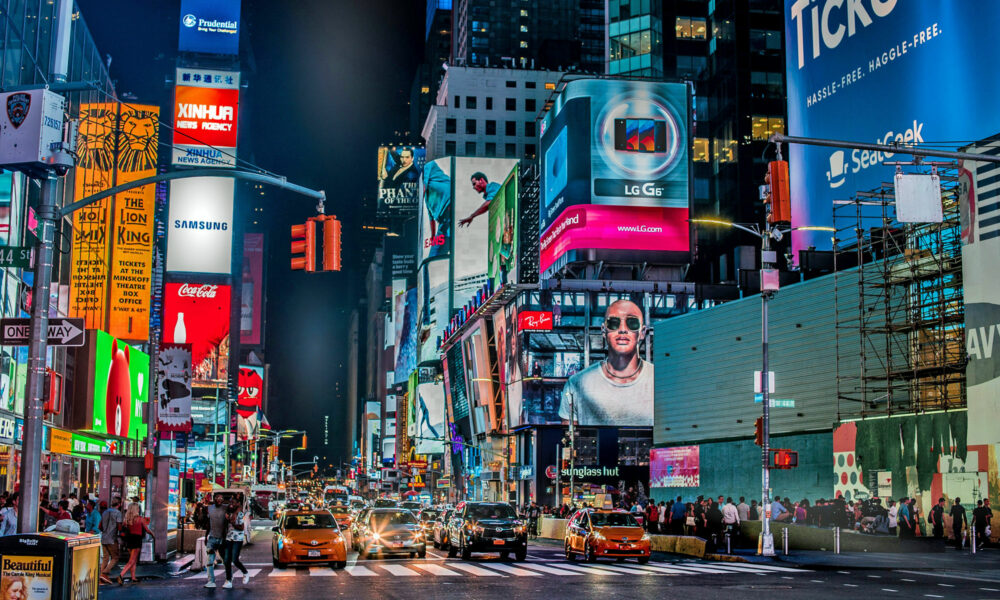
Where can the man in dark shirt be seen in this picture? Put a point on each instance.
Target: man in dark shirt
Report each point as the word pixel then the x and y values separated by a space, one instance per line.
pixel 981 517
pixel 937 519
pixel 958 521
pixel 216 536
pixel 678 514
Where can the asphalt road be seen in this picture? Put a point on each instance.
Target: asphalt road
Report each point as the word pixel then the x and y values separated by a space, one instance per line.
pixel 546 574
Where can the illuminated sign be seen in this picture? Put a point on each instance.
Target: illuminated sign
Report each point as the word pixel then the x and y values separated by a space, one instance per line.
pixel 116 385
pixel 209 26
pixel 534 320
pixel 399 172
pixel 674 467
pixel 206 117
pixel 252 299
pixel 199 315
pixel 200 225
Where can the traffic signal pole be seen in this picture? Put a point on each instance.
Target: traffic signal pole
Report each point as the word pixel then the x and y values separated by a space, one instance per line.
pixel 767 540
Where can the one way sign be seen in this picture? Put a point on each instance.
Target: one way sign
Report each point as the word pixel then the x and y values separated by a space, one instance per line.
pixel 62 332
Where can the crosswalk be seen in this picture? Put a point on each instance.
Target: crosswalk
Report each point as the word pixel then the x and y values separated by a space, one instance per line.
pixel 531 568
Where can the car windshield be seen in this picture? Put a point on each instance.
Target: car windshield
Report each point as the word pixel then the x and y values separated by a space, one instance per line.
pixel 613 520
pixel 428 515
pixel 315 521
pixel 381 520
pixel 491 511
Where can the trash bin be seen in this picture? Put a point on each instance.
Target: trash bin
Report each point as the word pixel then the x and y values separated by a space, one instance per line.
pixel 51 566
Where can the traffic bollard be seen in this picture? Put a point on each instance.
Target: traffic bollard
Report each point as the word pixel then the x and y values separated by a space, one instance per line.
pixel 836 540
pixel 729 544
pixel 972 537
pixel 784 539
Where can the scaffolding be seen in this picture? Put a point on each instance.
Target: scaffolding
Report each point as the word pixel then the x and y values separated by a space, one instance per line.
pixel 899 308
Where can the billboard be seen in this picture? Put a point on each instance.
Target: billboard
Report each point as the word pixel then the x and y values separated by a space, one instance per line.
pixel 200 225
pixel 173 393
pixel 113 238
pixel 252 289
pixel 429 418
pixel 206 117
pixel 630 190
pixel 503 233
pixel 115 386
pixel 405 330
pixel 918 70
pixel 249 401
pixel 433 310
pixel 436 218
pixel 399 171
pixel 674 467
pixel 209 26
pixel 198 314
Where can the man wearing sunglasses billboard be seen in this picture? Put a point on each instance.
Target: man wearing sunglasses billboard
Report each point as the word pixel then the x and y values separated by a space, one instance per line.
pixel 618 390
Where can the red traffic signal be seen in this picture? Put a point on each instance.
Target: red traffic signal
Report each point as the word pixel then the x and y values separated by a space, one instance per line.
pixel 331 244
pixel 784 459
pixel 779 194
pixel 758 431
pixel 304 243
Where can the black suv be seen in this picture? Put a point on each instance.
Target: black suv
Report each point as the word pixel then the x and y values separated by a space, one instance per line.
pixel 487 527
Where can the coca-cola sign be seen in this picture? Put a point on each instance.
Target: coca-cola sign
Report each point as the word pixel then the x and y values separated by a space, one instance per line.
pixel 197 291
pixel 534 320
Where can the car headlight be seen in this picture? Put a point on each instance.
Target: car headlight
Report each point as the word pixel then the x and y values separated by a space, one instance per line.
pixel 519 529
pixel 375 536
pixel 288 540
pixel 645 537
pixel 598 535
pixel 477 529
pixel 418 535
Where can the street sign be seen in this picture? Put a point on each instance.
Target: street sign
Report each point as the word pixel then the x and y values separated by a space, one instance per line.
pixel 774 402
pixel 62 332
pixel 17 257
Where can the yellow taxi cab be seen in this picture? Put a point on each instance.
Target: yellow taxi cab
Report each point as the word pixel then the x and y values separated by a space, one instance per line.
pixel 308 536
pixel 342 514
pixel 597 534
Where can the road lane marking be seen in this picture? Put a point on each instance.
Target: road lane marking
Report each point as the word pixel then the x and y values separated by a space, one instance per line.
pixel 752 567
pixel 322 572
pixel 945 585
pixel 512 570
pixel 945 575
pixel 283 573
pixel 889 590
pixel 474 570
pixel 587 570
pixel 549 570
pixel 849 585
pixel 359 571
pixel 989 590
pixel 434 569
pixel 399 570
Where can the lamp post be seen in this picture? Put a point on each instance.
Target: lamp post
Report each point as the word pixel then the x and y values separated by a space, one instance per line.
pixel 767 263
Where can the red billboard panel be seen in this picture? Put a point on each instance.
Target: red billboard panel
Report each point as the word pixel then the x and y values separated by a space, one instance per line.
pixel 199 314
pixel 205 116
pixel 534 320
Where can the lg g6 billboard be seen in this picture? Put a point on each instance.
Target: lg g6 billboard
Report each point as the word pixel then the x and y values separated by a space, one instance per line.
pixel 616 172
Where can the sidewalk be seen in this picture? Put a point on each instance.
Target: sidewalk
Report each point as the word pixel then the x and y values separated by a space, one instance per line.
pixel 987 560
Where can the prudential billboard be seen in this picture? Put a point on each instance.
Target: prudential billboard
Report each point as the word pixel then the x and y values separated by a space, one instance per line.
pixel 918 72
pixel 210 26
pixel 616 170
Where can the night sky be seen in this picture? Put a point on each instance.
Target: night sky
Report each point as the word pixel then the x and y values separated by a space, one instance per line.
pixel 332 82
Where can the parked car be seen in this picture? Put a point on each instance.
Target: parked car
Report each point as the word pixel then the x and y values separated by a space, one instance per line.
pixel 487 527
pixel 391 531
pixel 308 537
pixel 614 534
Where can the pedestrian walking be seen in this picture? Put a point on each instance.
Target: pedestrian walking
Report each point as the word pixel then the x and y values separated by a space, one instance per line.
pixel 936 517
pixel 8 516
pixel 678 514
pixel 958 520
pixel 731 517
pixel 743 510
pixel 235 537
pixel 661 518
pixel 652 516
pixel 111 520
pixel 893 517
pixel 981 516
pixel 91 523
pixel 217 528
pixel 906 529
pixel 134 529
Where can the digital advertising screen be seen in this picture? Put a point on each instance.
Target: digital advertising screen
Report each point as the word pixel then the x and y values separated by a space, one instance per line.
pixel 429 418
pixel 200 225
pixel 209 26
pixel 436 220
pixel 615 169
pixel 839 59
pixel 252 298
pixel 674 467
pixel 405 329
pixel 503 233
pixel 206 117
pixel 399 172
pixel 199 314
pixel 249 401
pixel 173 394
pixel 433 308
pixel 120 384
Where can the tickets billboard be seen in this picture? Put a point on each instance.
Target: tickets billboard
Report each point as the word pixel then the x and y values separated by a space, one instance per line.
pixel 206 117
pixel 866 71
pixel 616 153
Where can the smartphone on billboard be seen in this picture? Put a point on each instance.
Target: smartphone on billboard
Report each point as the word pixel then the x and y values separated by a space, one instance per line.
pixel 641 135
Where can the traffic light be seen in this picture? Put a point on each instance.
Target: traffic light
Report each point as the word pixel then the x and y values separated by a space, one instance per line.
pixel 778 194
pixel 331 244
pixel 785 459
pixel 304 243
pixel 304 446
pixel 758 431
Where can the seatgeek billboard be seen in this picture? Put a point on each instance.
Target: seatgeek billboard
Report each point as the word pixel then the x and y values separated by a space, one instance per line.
pixel 210 26
pixel 616 169
pixel 881 71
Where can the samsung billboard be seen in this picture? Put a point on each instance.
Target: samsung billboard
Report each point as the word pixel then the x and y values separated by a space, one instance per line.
pixel 210 26
pixel 881 71
pixel 616 169
pixel 200 225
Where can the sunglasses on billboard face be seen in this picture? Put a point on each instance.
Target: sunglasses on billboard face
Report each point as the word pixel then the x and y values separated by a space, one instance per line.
pixel 632 323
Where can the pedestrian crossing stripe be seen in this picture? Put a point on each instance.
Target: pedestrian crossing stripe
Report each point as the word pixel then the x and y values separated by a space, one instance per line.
pixel 521 569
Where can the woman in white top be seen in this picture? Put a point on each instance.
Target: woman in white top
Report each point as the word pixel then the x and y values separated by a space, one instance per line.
pixel 236 515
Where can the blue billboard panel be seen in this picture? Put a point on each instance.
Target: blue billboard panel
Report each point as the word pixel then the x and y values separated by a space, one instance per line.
pixel 881 71
pixel 210 26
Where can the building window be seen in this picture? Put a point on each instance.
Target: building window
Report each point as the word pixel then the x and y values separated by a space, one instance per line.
pixel 450 126
pixel 512 84
pixel 524 13
pixel 489 102
pixel 449 148
pixel 763 41
pixel 491 127
pixel 425 89
pixel 470 148
pixel 524 29
pixel 763 127
pixel 550 85
pixel 766 85
pixel 529 105
pixel 470 126
pixel 511 103
pixel 524 44
pixel 529 150
pixel 529 84
pixel 699 150
pixel 586 447
pixel 529 129
pixel 633 448
pixel 510 151
pixel 510 128
pixel 724 150
pixel 691 28
pixel 491 149
pixel 458 102
pixel 470 102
